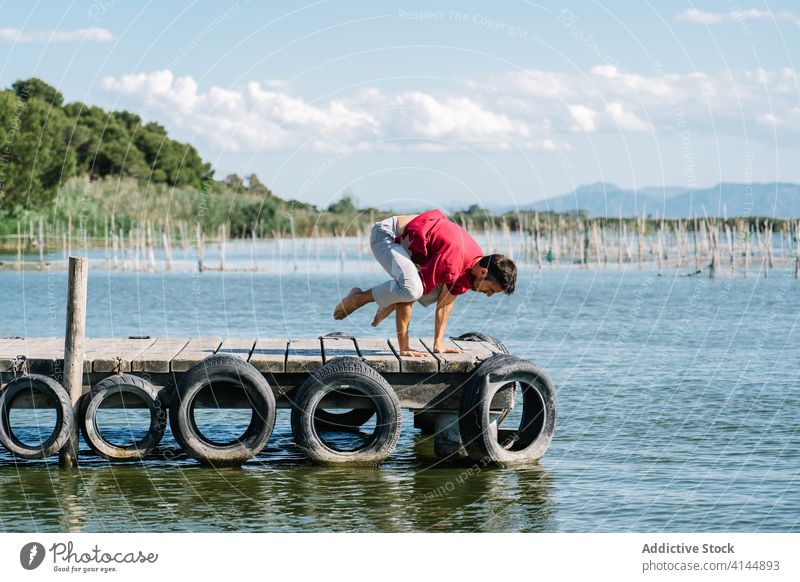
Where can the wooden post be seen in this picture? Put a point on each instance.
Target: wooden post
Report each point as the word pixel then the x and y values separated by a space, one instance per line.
pixel 199 236
pixel 19 245
pixel 41 244
pixel 74 340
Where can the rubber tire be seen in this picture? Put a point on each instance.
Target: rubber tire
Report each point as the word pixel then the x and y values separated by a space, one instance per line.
pixel 128 384
pixel 473 336
pixel 64 416
pixel 351 371
pixel 539 399
pixel 222 368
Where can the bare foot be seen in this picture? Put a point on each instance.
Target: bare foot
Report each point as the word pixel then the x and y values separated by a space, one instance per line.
pixel 413 353
pixel 447 351
pixel 347 305
pixel 381 314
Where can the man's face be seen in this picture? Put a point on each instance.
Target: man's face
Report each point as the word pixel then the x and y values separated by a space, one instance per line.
pixel 486 286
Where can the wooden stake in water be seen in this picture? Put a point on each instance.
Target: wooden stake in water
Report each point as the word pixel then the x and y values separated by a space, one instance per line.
pixel 222 240
pixel 41 244
pixel 294 248
pixel 254 259
pixel 167 245
pixel 74 344
pixel 199 237
pixel 19 245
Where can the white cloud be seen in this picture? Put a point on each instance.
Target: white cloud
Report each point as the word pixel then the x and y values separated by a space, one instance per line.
pixel 584 117
pixel 625 119
pixel 260 116
pixel 534 110
pixel 737 16
pixel 47 36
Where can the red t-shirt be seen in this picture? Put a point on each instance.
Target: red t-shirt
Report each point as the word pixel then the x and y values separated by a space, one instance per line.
pixel 444 251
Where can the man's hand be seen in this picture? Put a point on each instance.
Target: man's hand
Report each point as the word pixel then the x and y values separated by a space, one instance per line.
pixel 413 353
pixel 443 350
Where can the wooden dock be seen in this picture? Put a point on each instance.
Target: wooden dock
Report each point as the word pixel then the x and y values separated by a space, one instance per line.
pixel 420 382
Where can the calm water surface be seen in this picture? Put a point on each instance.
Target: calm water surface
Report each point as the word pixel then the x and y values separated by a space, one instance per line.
pixel 679 408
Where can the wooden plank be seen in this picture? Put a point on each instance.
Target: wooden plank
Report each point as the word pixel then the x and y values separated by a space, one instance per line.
pixel 157 357
pixel 118 358
pixel 269 355
pixel 378 353
pixel 42 355
pixel 197 349
pixel 241 348
pixel 304 355
pixel 459 362
pixel 336 347
pixel 415 364
pixel 93 348
pixel 479 350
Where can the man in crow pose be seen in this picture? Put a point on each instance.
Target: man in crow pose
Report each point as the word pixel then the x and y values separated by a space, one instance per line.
pixel 430 259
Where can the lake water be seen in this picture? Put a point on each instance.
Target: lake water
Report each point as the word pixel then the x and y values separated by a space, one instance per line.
pixel 679 409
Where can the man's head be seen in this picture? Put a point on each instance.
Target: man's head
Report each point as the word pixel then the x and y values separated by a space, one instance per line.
pixel 494 274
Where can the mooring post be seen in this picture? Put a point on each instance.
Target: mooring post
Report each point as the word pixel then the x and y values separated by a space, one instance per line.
pixel 74 340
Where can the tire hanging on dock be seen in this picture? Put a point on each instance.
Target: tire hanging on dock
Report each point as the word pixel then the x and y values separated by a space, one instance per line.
pixel 45 386
pixel 472 336
pixel 354 376
pixel 122 384
pixel 426 421
pixel 482 438
pixel 349 421
pixel 221 370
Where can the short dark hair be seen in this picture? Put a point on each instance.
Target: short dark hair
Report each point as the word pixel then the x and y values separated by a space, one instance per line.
pixel 502 270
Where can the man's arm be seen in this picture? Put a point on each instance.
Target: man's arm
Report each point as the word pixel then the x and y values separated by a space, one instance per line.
pixel 444 306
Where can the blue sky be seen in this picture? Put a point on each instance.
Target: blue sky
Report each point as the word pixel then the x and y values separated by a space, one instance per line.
pixel 448 103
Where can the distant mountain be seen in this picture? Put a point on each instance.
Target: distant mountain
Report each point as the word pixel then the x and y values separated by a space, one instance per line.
pixel 780 200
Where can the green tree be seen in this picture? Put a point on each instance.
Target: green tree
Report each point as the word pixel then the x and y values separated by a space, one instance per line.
pixel 234 182
pixel 34 155
pixel 257 187
pixel 34 88
pixel 345 204
pixel 104 144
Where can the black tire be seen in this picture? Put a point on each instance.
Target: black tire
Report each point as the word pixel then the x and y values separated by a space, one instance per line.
pixel 360 377
pixel 64 416
pixel 473 336
pixel 220 370
pixel 527 443
pixel 122 384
